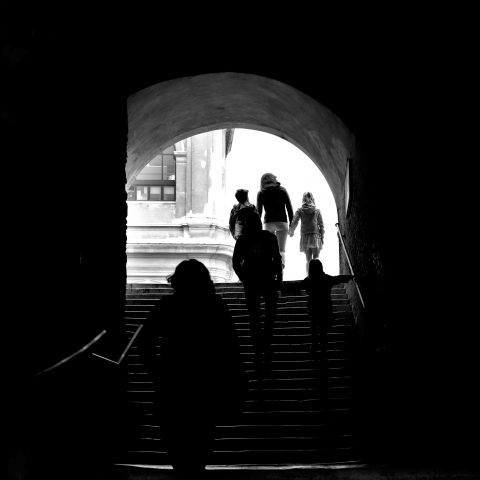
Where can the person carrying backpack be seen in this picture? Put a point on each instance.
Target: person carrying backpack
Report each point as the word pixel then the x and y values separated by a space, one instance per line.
pixel 239 213
pixel 258 264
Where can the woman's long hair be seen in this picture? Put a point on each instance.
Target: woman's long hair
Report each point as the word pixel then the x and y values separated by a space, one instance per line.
pixel 307 199
pixel 268 180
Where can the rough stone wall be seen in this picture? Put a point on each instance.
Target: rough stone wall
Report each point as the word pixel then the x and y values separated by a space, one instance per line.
pixel 64 126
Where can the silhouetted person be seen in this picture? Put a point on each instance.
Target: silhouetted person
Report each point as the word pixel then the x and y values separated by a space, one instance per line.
pixel 239 213
pixel 311 228
pixel 274 199
pixel 318 286
pixel 198 374
pixel 258 264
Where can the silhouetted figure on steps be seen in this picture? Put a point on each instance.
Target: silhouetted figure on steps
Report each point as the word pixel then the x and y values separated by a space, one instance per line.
pixel 239 213
pixel 198 373
pixel 273 198
pixel 318 286
pixel 258 264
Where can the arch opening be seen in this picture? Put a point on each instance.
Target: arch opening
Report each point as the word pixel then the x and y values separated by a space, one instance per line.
pixel 165 113
pixel 168 113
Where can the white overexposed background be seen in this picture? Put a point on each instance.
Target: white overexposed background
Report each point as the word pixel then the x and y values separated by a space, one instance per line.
pixel 254 153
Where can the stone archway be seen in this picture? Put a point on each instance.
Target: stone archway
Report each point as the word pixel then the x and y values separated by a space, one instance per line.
pixel 170 111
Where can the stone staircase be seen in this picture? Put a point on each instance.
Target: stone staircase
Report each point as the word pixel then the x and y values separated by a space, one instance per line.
pixel 291 416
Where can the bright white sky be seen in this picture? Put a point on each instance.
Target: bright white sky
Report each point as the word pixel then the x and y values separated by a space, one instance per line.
pixel 254 153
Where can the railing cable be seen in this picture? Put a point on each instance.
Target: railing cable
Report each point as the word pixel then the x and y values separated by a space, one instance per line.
pixel 339 234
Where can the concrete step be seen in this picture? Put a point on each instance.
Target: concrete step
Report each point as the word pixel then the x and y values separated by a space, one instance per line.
pixel 222 289
pixel 290 415
pixel 246 458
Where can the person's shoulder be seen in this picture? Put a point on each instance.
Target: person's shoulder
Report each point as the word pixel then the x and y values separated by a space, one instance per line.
pixel 217 300
pixel 218 305
pixel 240 242
pixel 247 209
pixel 166 304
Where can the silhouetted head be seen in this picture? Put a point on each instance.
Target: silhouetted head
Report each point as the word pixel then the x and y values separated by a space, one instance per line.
pixel 315 268
pixel 307 199
pixel 253 222
pixel 191 277
pixel 241 195
pixel 268 180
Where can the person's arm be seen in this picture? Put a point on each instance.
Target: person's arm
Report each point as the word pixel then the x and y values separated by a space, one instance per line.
pixel 306 285
pixel 288 204
pixel 321 227
pixel 259 204
pixel 294 223
pixel 277 260
pixel 238 257
pixel 341 279
pixel 231 222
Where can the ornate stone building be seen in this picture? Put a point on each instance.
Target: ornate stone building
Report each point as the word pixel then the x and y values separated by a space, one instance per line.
pixel 177 209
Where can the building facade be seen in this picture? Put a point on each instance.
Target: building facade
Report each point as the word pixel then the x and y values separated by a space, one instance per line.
pixel 178 209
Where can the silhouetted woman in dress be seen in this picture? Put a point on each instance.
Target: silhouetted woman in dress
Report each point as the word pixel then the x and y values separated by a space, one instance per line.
pixel 311 230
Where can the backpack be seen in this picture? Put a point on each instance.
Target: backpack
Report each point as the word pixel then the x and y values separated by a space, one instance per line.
pixel 242 219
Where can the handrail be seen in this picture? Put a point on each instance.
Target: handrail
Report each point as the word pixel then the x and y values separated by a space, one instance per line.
pixel 92 344
pixel 107 355
pixel 74 354
pixel 339 234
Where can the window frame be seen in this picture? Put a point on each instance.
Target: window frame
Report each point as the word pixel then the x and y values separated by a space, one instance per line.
pixel 156 183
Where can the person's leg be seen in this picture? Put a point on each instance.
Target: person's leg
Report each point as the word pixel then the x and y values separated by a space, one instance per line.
pixel 315 253
pixel 270 295
pixel 322 333
pixel 314 334
pixel 308 256
pixel 270 226
pixel 313 317
pixel 189 446
pixel 282 234
pixel 252 301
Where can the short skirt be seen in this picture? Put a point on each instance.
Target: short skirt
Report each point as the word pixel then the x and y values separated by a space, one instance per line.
pixel 310 240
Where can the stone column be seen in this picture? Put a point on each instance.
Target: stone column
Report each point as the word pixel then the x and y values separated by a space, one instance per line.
pixel 181 184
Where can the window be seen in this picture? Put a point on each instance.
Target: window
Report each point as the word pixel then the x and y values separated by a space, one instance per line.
pixel 156 182
pixel 151 193
pixel 155 193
